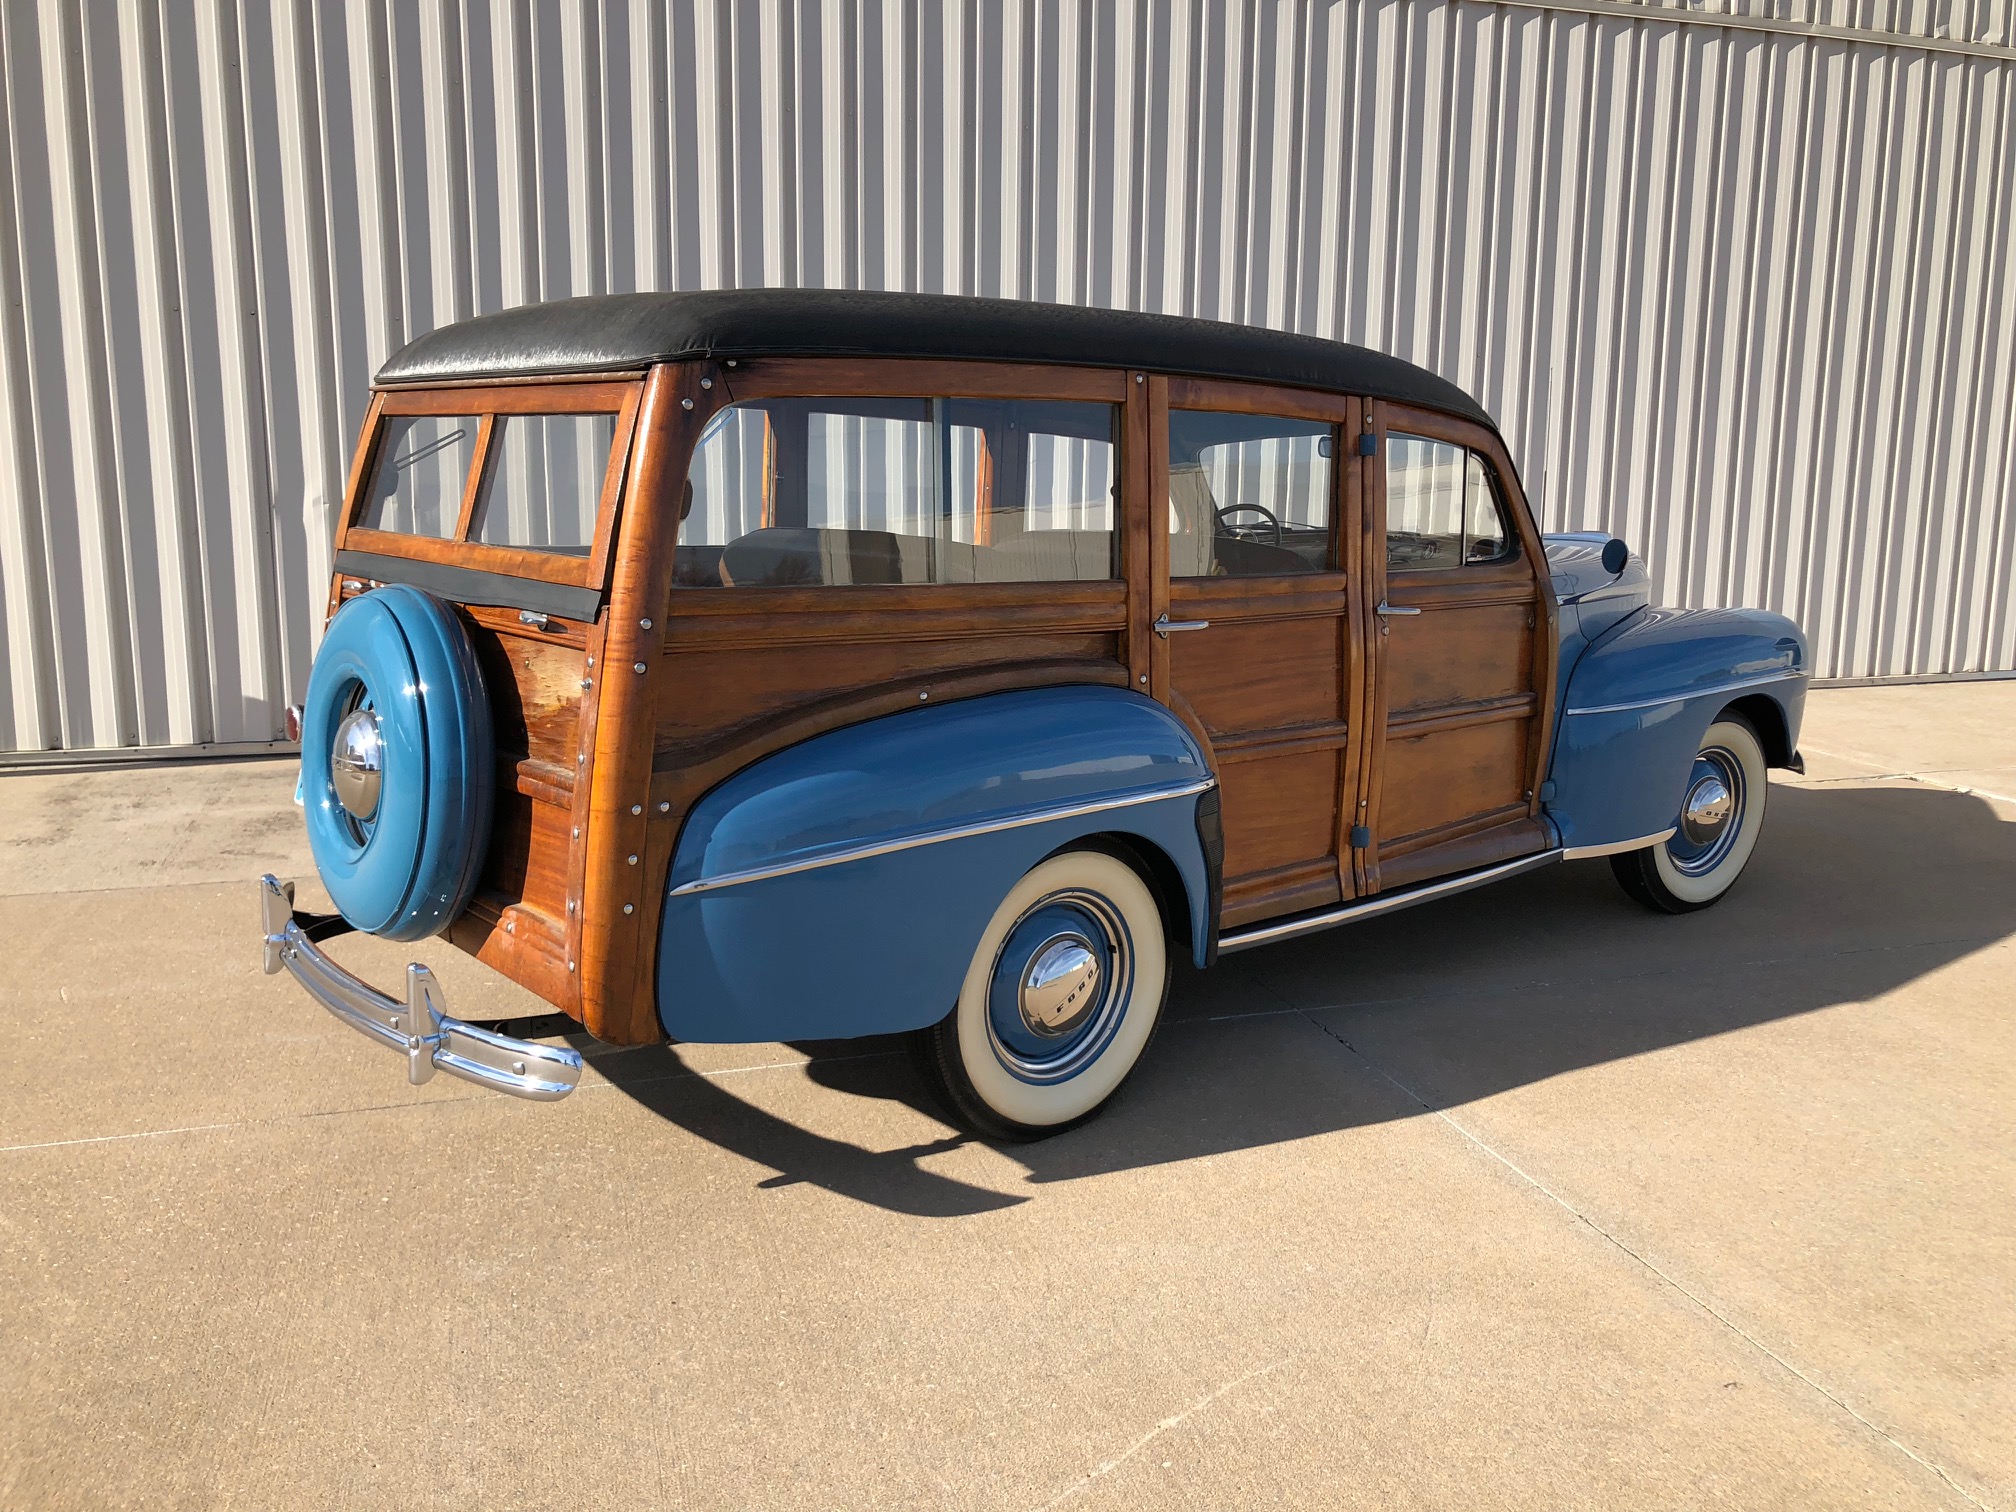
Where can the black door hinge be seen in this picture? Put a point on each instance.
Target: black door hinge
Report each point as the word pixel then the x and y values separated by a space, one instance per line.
pixel 1368 445
pixel 1361 837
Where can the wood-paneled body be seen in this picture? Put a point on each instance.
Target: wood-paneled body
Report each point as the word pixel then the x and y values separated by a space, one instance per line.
pixel 520 920
pixel 1272 681
pixel 736 673
pixel 526 916
pixel 1459 693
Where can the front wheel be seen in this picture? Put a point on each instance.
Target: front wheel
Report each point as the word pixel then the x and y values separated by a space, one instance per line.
pixel 1062 996
pixel 1721 812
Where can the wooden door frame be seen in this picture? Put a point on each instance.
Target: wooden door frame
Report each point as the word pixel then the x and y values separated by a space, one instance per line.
pixel 1251 595
pixel 1420 588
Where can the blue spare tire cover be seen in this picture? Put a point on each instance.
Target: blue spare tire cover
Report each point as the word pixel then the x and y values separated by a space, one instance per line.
pixel 409 868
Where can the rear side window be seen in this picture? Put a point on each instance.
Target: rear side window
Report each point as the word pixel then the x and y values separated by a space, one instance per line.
pixel 423 470
pixel 846 491
pixel 1442 510
pixel 542 482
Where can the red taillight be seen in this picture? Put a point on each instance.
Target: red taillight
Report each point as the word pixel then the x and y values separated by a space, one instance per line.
pixel 294 722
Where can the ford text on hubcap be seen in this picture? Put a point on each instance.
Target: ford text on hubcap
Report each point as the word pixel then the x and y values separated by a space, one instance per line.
pixel 1711 814
pixel 1060 986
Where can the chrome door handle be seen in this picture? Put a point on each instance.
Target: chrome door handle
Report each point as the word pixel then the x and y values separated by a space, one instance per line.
pixel 1386 608
pixel 1165 625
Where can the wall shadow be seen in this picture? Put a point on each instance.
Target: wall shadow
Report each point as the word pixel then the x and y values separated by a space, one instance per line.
pixel 1854 891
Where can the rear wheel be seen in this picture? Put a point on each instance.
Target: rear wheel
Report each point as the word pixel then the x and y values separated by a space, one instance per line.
pixel 1063 994
pixel 1721 812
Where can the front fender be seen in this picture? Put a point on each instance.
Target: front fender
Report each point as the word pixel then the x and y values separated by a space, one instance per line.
pixel 837 888
pixel 1638 702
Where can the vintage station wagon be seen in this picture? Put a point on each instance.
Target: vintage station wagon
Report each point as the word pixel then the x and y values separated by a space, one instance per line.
pixel 785 664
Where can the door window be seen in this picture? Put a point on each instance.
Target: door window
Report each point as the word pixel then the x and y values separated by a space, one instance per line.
pixel 830 492
pixel 1249 495
pixel 1442 509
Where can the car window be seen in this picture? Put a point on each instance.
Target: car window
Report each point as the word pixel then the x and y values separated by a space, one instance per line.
pixel 423 466
pixel 1249 495
pixel 542 484
pixel 842 491
pixel 1442 509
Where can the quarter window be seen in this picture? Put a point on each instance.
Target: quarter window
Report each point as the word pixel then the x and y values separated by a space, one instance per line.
pixel 543 482
pixel 1442 509
pixel 837 491
pixel 423 468
pixel 1249 495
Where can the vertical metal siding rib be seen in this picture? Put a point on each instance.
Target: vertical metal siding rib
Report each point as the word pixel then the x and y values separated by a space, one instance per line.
pixel 1743 295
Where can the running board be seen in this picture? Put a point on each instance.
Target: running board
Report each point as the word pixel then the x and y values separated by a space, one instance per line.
pixel 1385 903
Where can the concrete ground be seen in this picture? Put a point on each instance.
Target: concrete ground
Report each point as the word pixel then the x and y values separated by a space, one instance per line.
pixel 1526 1198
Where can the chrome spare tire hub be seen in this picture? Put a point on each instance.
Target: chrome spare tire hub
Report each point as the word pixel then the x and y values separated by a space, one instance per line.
pixel 357 763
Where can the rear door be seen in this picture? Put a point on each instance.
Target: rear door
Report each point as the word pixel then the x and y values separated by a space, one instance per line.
pixel 1462 653
pixel 1256 642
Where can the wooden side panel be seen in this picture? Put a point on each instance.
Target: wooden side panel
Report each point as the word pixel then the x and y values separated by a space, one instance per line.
pixel 712 692
pixel 1265 675
pixel 1485 763
pixel 1279 813
pixel 1454 654
pixel 1269 682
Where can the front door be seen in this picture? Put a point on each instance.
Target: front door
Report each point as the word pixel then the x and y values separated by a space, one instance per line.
pixel 1255 638
pixel 1462 653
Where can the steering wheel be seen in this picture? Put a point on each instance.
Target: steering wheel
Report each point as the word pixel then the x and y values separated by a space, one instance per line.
pixel 1273 521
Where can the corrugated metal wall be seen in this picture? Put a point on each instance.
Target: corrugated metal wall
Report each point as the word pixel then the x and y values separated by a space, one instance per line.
pixel 1739 291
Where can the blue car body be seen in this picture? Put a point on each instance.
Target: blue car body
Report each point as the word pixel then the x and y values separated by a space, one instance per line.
pixel 1638 687
pixel 794 893
pixel 794 897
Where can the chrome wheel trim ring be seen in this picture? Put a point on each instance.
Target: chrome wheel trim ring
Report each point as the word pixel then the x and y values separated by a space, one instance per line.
pixel 1083 1033
pixel 1712 814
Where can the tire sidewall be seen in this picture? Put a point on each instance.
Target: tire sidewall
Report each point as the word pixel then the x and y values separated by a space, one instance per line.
pixel 1051 1106
pixel 416 867
pixel 1736 737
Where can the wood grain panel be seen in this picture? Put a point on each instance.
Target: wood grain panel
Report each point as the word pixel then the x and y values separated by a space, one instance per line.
pixel 535 695
pixel 1502 838
pixel 1252 676
pixel 1278 813
pixel 1285 890
pixel 1484 763
pixel 712 691
pixel 1452 655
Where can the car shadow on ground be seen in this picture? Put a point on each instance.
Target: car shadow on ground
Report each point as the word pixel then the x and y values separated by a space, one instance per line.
pixel 1854 891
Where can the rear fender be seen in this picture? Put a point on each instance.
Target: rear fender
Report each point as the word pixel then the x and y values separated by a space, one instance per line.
pixel 838 888
pixel 1640 700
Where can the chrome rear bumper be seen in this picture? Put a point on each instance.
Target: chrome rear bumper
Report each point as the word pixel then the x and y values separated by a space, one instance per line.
pixel 418 1028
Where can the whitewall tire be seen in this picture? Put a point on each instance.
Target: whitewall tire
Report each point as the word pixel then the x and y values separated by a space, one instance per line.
pixel 1063 994
pixel 1721 813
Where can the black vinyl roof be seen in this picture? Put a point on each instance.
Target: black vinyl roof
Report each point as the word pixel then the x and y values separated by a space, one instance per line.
pixel 611 332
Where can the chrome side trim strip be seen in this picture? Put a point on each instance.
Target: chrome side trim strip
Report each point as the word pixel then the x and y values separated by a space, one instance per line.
pixel 417 1028
pixel 1371 908
pixel 1618 847
pixel 936 837
pixel 1653 703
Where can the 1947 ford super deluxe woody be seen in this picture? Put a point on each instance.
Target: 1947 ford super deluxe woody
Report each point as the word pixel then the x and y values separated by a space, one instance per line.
pixel 782 665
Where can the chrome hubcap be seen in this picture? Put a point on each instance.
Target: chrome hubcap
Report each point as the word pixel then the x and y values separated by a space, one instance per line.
pixel 357 763
pixel 1711 815
pixel 1060 986
pixel 1708 807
